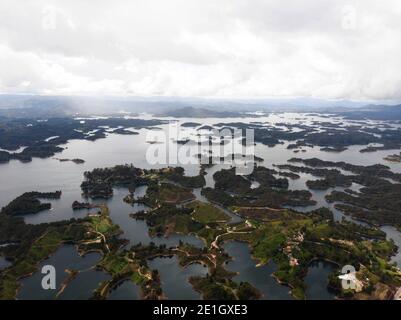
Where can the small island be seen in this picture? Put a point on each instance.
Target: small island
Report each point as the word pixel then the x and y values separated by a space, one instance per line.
pixel 76 161
pixel 396 158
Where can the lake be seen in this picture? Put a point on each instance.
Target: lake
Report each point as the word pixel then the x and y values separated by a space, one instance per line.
pixel 260 277
pixel 175 278
pixel 50 175
pixel 66 257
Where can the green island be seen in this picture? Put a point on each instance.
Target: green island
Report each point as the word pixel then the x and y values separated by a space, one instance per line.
pixel 29 203
pixel 34 243
pixel 76 161
pixel 43 139
pixel 377 201
pixel 291 239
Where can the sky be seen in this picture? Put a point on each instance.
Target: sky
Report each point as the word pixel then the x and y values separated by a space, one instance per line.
pixel 330 49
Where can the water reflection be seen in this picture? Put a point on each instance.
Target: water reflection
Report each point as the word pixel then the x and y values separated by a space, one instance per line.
pixel 81 288
pixel 4 263
pixel 316 280
pixel 260 277
pixel 66 257
pixel 127 290
pixel 395 235
pixel 136 230
pixel 174 278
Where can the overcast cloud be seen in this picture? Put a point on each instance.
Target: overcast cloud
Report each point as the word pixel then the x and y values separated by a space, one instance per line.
pixel 332 49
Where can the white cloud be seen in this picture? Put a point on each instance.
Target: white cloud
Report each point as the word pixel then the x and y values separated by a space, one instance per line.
pixel 346 49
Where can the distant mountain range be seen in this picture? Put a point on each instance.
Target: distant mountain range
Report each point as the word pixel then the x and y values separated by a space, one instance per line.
pixel 56 106
pixel 188 112
pixel 374 112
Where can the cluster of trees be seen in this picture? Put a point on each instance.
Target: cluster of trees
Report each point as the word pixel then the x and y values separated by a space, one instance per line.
pixel 215 288
pixel 169 218
pixel 99 182
pixel 34 134
pixel 176 175
pixel 29 203
pixel 231 189
pixel 329 136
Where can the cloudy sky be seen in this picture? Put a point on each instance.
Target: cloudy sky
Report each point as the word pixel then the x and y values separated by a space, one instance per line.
pixel 333 49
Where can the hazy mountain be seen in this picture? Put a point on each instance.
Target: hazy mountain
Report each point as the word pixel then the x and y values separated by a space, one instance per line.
pixel 53 106
pixel 375 112
pixel 188 112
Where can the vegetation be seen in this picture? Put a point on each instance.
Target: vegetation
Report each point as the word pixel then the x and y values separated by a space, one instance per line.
pixel 29 203
pixel 274 232
pixel 34 243
pixel 42 139
pixel 234 190
pixel 377 202
pixel 218 289
pixel 206 213
pixel 168 219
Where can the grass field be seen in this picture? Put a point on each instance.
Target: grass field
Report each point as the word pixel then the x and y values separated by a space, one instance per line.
pixel 207 213
pixel 174 194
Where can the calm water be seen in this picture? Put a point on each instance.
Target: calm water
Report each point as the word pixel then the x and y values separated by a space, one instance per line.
pixel 81 288
pixel 316 280
pixel 66 257
pixel 50 175
pixel 4 263
pixel 175 278
pixel 136 230
pixel 260 277
pixel 125 291
pixel 395 235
